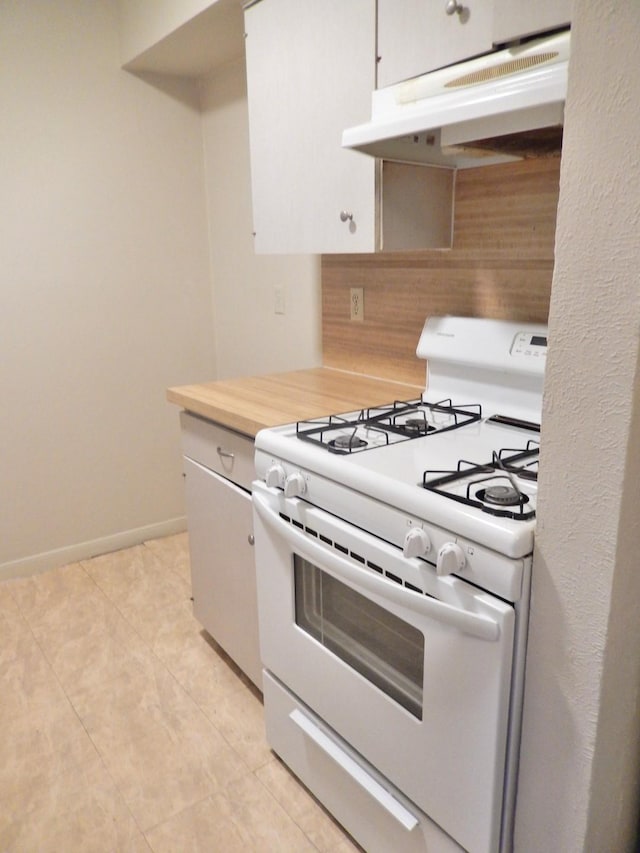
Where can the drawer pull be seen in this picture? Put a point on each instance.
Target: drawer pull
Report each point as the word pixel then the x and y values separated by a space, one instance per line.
pixel 225 454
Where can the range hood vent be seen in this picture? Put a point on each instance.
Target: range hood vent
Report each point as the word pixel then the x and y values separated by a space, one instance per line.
pixel 504 69
pixel 504 106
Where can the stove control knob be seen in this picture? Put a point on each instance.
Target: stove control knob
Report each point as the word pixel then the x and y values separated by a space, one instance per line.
pixel 450 559
pixel 275 476
pixel 416 543
pixel 294 485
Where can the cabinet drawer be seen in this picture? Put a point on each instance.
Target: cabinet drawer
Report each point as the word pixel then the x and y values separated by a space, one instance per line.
pixel 222 450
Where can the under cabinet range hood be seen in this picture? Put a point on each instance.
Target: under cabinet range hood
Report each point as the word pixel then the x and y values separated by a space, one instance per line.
pixel 506 105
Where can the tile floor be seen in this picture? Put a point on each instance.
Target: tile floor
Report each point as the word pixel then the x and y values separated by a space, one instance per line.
pixel 123 728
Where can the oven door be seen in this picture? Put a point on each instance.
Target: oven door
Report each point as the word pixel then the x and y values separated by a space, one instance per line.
pixel 411 669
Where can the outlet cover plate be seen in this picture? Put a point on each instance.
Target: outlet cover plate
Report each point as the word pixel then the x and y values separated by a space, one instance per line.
pixel 356 304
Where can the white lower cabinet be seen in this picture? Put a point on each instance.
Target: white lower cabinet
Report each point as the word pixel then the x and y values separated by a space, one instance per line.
pixel 220 525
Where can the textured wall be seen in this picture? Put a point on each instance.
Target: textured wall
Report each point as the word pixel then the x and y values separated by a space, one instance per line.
pixel 578 785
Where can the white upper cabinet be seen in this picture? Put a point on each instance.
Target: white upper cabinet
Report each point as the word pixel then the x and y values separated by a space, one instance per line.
pixel 310 74
pixel 514 19
pixel 416 36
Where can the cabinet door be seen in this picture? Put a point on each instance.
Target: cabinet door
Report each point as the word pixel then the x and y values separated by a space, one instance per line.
pixel 222 565
pixel 310 74
pixel 416 36
pixel 514 19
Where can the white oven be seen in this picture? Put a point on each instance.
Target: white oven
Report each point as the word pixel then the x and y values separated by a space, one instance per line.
pixel 411 669
pixel 393 556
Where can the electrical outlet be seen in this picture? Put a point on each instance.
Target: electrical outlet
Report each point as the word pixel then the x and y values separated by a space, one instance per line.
pixel 278 299
pixel 356 303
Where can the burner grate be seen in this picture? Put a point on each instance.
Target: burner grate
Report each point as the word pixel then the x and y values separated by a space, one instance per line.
pixel 382 425
pixel 492 487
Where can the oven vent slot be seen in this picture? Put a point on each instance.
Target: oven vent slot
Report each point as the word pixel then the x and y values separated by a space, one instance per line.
pixel 354 555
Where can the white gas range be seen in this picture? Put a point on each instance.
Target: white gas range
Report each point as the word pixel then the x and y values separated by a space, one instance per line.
pixel 393 555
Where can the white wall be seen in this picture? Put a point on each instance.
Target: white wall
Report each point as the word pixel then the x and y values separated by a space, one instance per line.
pixel 143 23
pixel 188 38
pixel 579 779
pixel 104 285
pixel 250 337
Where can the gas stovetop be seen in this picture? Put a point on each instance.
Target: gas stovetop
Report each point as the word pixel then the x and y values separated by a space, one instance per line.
pixel 466 461
pixel 502 485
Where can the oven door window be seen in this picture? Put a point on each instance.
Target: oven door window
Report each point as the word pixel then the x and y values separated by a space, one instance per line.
pixel 376 643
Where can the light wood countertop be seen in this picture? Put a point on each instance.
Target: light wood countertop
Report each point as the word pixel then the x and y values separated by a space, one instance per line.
pixel 250 403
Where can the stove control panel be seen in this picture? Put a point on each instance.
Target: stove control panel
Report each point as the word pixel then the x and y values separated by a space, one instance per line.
pixel 528 345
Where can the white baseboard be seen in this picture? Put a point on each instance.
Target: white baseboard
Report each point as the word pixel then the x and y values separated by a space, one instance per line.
pixel 84 550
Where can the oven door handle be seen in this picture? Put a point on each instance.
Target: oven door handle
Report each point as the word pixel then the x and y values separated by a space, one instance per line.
pixel 474 624
pixel 357 773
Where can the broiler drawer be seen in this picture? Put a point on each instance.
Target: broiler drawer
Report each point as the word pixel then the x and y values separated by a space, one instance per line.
pixel 363 801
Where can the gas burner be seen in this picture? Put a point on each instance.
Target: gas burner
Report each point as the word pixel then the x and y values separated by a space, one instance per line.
pixel 415 418
pixel 416 425
pixel 491 487
pixel 343 443
pixel 502 496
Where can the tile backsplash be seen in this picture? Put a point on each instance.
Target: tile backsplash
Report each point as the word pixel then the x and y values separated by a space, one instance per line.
pixel 500 265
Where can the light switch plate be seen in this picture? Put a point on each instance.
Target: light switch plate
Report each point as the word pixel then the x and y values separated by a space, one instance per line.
pixel 278 299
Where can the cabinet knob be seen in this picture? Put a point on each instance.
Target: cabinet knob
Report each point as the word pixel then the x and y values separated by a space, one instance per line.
pixel 454 8
pixel 346 216
pixel 251 539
